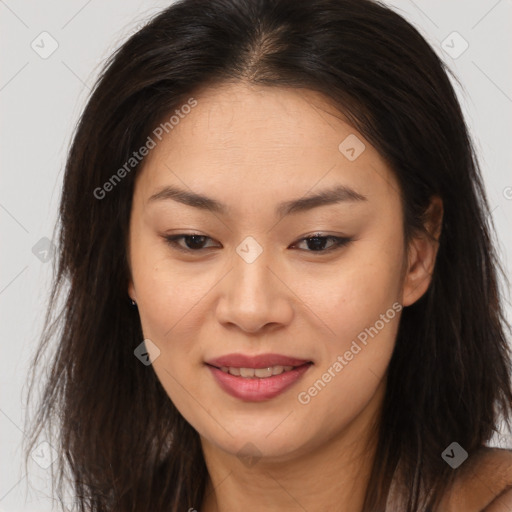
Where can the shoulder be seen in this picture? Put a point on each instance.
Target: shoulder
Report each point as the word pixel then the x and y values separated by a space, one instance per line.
pixel 484 483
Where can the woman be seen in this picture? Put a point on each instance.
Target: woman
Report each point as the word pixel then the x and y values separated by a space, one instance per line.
pixel 283 291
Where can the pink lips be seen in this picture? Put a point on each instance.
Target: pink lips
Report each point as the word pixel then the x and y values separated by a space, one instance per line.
pixel 257 389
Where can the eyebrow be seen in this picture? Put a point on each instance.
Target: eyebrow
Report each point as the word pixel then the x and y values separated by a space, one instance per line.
pixel 337 194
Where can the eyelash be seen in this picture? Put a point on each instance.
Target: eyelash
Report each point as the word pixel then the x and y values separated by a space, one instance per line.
pixel 339 242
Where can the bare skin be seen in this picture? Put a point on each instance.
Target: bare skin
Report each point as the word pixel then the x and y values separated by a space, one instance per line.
pixel 483 485
pixel 252 148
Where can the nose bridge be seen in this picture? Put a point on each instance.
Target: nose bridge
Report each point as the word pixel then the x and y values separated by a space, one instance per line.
pixel 251 273
pixel 253 296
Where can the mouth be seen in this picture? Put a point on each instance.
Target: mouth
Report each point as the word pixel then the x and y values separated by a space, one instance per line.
pixel 257 362
pixel 258 373
pixel 255 383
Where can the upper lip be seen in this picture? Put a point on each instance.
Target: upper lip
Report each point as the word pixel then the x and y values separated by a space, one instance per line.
pixel 259 361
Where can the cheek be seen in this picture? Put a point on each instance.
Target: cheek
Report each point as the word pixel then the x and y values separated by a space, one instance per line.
pixel 361 308
pixel 358 301
pixel 167 291
pixel 353 293
pixel 168 303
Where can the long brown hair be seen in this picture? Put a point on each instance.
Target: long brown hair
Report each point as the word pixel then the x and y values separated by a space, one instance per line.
pixel 122 444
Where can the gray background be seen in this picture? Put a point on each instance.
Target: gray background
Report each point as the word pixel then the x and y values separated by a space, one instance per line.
pixel 40 101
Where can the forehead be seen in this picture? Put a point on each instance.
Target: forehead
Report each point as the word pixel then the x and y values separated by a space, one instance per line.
pixel 264 138
pixel 246 118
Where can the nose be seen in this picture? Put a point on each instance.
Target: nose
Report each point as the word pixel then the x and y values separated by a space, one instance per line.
pixel 255 296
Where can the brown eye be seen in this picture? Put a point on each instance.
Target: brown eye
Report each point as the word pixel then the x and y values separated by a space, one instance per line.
pixel 193 242
pixel 317 243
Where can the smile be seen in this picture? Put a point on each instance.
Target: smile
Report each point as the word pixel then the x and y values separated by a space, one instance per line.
pixel 257 372
pixel 257 384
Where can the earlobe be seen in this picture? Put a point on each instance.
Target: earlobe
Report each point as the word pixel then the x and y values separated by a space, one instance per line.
pixel 422 255
pixel 420 269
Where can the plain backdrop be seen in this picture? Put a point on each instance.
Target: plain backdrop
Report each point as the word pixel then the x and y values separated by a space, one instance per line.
pixel 42 95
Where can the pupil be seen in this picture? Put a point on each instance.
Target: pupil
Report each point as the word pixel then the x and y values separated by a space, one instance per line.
pixel 195 241
pixel 318 242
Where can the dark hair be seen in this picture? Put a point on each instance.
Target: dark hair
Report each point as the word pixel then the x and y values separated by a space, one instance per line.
pixel 125 445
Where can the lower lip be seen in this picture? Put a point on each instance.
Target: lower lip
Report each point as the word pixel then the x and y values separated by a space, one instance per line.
pixel 255 389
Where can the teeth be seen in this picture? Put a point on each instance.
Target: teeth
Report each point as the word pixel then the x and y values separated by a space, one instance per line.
pixel 260 373
pixel 246 372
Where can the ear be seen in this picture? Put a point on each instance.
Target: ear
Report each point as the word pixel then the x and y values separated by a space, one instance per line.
pixel 422 252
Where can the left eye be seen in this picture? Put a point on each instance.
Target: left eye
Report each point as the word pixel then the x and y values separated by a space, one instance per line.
pixel 195 243
pixel 317 242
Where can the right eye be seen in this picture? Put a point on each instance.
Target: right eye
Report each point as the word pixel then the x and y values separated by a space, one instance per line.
pixel 193 242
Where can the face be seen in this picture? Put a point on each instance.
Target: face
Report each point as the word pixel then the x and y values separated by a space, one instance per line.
pixel 263 268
